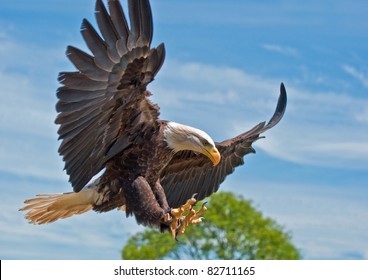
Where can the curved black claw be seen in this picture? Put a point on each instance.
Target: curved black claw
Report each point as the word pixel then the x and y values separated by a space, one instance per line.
pixel 195 203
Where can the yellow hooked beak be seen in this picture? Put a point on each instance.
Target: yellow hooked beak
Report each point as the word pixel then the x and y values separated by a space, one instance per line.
pixel 213 154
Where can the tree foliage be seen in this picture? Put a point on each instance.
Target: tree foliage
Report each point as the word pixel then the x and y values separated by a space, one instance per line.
pixel 232 229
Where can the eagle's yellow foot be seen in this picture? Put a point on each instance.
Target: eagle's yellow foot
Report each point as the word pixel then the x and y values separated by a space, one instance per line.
pixel 180 221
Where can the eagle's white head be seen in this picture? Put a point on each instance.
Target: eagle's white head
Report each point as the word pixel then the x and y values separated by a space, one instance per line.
pixel 181 137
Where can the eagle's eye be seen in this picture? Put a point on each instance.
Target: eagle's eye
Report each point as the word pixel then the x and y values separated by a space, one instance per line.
pixel 205 142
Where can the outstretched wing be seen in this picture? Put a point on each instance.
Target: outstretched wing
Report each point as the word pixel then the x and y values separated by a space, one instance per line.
pixel 189 173
pixel 103 107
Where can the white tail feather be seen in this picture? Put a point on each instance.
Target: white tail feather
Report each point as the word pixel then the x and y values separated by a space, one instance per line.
pixel 47 208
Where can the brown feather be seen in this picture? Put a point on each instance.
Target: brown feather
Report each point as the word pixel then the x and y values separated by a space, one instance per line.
pixel 97 46
pixel 86 64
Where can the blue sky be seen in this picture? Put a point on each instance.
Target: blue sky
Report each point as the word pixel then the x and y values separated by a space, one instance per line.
pixel 225 61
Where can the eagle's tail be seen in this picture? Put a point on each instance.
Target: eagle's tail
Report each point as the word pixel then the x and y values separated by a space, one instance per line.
pixel 47 208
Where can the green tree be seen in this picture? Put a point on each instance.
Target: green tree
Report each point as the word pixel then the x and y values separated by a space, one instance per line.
pixel 232 229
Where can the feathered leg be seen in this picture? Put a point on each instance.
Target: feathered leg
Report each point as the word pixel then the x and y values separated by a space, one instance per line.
pixel 145 208
pixel 159 193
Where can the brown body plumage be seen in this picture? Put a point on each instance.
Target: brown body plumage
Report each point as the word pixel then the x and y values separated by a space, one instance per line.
pixel 107 121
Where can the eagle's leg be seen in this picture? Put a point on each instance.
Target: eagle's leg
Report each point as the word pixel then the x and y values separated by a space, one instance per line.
pixel 160 196
pixel 141 201
pixel 159 193
pixel 180 221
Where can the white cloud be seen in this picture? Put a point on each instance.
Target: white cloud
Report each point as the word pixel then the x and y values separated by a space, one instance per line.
pixel 284 50
pixel 196 82
pixel 361 76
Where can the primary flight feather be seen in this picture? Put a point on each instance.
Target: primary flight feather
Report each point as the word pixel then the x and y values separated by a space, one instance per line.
pixel 153 169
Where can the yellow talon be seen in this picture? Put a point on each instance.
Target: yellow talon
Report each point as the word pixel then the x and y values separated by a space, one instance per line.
pixel 180 221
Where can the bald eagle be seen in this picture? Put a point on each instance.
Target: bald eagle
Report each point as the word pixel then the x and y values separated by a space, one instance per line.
pixel 154 169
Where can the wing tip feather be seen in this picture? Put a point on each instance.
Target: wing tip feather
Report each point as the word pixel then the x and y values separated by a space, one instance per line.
pixel 280 108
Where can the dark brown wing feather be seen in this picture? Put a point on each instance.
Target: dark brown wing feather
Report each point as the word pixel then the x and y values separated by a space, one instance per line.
pixel 189 173
pixel 103 106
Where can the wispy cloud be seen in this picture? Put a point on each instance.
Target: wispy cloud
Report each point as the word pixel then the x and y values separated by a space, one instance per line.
pixel 360 75
pixel 284 50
